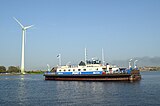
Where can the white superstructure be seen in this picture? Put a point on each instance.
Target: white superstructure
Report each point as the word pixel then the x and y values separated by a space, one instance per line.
pixel 92 67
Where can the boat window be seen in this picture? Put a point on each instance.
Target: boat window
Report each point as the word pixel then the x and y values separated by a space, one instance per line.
pixel 84 69
pixel 97 69
pixel 64 70
pixel 59 70
pixel 73 69
pixel 79 69
pixel 69 70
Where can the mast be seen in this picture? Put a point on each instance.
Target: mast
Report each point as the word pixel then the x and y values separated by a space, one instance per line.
pixel 59 59
pixel 103 57
pixel 85 54
pixel 130 66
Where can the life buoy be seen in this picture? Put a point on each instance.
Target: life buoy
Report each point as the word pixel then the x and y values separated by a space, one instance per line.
pixel 103 72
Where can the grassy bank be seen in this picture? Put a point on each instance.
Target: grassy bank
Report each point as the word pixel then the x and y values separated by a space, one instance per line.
pixel 26 73
pixel 34 72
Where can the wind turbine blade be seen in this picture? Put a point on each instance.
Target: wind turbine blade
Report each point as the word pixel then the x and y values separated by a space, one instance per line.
pixel 18 22
pixel 28 26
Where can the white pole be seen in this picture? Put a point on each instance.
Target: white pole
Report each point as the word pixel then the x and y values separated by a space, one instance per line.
pixel 130 63
pixel 103 57
pixel 22 59
pixel 135 66
pixel 85 58
pixel 59 59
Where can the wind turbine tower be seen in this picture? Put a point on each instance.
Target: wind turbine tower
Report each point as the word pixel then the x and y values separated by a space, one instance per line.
pixel 24 28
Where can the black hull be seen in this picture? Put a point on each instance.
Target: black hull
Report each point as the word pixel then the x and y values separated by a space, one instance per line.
pixel 105 77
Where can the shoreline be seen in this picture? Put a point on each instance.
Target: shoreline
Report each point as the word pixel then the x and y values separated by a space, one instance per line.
pixel 14 74
pixel 148 70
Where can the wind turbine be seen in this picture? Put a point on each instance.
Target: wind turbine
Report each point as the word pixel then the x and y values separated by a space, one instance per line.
pixel 24 28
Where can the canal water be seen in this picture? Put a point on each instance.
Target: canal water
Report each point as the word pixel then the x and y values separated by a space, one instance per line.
pixel 33 90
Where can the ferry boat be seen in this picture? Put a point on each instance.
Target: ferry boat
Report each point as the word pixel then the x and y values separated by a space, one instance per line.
pixel 92 70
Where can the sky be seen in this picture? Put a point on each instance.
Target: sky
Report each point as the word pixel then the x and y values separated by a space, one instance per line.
pixel 123 28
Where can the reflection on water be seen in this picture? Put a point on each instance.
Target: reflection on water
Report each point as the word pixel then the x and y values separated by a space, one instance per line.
pixel 21 89
pixel 99 93
pixel 34 90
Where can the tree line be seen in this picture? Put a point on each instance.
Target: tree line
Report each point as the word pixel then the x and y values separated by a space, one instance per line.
pixel 11 69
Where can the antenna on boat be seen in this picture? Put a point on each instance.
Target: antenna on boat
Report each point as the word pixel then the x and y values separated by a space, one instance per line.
pixel 103 62
pixel 135 65
pixel 130 66
pixel 85 58
pixel 59 59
